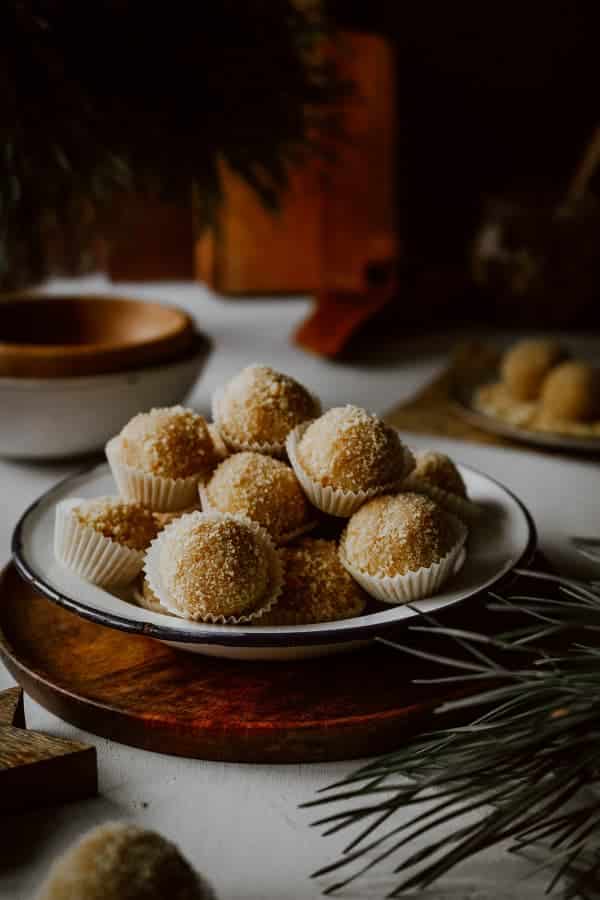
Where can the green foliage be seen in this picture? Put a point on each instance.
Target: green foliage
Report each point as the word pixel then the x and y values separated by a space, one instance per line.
pixel 525 768
pixel 97 99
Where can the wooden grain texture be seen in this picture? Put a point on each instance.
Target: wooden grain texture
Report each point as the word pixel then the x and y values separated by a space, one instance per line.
pixel 137 691
pixel 39 769
pixel 12 711
pixel 57 337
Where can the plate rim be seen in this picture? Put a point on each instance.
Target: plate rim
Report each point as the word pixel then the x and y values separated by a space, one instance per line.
pixel 237 638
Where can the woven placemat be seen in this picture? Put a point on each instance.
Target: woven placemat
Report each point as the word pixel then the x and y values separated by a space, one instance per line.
pixel 432 410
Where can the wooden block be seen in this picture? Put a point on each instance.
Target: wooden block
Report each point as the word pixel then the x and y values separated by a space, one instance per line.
pixel 12 711
pixel 38 769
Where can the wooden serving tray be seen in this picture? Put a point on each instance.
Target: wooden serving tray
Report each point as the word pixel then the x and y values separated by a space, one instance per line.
pixel 137 691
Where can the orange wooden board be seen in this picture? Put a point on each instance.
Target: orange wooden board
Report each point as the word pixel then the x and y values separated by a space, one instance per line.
pixel 140 692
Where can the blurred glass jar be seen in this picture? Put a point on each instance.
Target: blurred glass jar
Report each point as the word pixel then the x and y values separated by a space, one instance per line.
pixel 537 264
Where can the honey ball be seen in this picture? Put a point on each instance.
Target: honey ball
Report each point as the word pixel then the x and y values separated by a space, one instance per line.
pixel 349 449
pixel 316 587
pixel 262 488
pixel 438 470
pixel 395 534
pixel 171 442
pixel 129 524
pixel 261 406
pixel 526 364
pixel 213 564
pixel 117 861
pixel 572 392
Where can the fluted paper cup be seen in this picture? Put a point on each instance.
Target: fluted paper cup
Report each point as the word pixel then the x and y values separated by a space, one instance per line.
pixel 335 501
pixel 154 579
pixel 89 553
pixel 154 491
pixel 417 585
pixel 144 597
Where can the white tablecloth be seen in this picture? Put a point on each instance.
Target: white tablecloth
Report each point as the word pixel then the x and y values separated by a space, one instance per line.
pixel 240 824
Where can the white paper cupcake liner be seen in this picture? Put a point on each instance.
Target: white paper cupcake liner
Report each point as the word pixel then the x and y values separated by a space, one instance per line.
pixel 90 554
pixel 277 449
pixel 207 506
pixel 153 576
pixel 418 585
pixel 154 491
pixel 466 510
pixel 335 501
pixel 219 444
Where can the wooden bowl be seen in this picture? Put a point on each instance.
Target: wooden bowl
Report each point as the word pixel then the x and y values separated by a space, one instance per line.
pixel 57 337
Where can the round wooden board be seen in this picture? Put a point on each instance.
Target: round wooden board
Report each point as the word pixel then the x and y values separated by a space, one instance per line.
pixel 137 691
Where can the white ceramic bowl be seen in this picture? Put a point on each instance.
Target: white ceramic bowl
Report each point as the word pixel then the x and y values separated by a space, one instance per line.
pixel 51 418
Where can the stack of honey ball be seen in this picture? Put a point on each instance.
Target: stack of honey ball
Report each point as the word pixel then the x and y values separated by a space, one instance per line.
pixel 542 389
pixel 212 520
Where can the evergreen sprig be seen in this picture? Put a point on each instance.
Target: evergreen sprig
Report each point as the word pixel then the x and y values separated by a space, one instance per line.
pixel 105 98
pixel 524 769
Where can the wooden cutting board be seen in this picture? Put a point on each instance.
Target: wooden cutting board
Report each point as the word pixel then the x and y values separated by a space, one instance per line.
pixel 137 691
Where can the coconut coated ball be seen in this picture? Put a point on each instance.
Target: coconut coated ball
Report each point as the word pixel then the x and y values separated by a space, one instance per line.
pixel 213 564
pixel 438 470
pixel 129 524
pixel 526 364
pixel 349 449
pixel 395 534
pixel 572 392
pixel 117 861
pixel 261 406
pixel 262 488
pixel 316 586
pixel 171 442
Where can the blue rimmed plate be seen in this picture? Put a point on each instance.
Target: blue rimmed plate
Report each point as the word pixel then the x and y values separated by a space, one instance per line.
pixel 501 540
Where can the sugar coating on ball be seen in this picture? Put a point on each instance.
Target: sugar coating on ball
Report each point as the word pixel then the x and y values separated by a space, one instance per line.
pixel 171 442
pixel 349 449
pixel 213 565
pixel 526 364
pixel 262 406
pixel 117 861
pixel 262 488
pixel 572 392
pixel 395 534
pixel 129 524
pixel 316 588
pixel 438 470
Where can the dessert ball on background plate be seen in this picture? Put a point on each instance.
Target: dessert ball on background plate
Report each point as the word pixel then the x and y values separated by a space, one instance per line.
pixel 571 392
pixel 525 365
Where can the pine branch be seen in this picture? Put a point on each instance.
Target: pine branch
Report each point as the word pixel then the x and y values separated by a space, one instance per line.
pixel 521 770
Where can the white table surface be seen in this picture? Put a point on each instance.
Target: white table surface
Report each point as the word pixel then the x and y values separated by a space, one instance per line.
pixel 240 824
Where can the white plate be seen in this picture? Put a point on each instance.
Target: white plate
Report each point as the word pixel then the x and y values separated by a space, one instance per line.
pixel 503 539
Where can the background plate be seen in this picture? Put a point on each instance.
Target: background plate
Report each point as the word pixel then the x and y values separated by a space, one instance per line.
pixel 463 396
